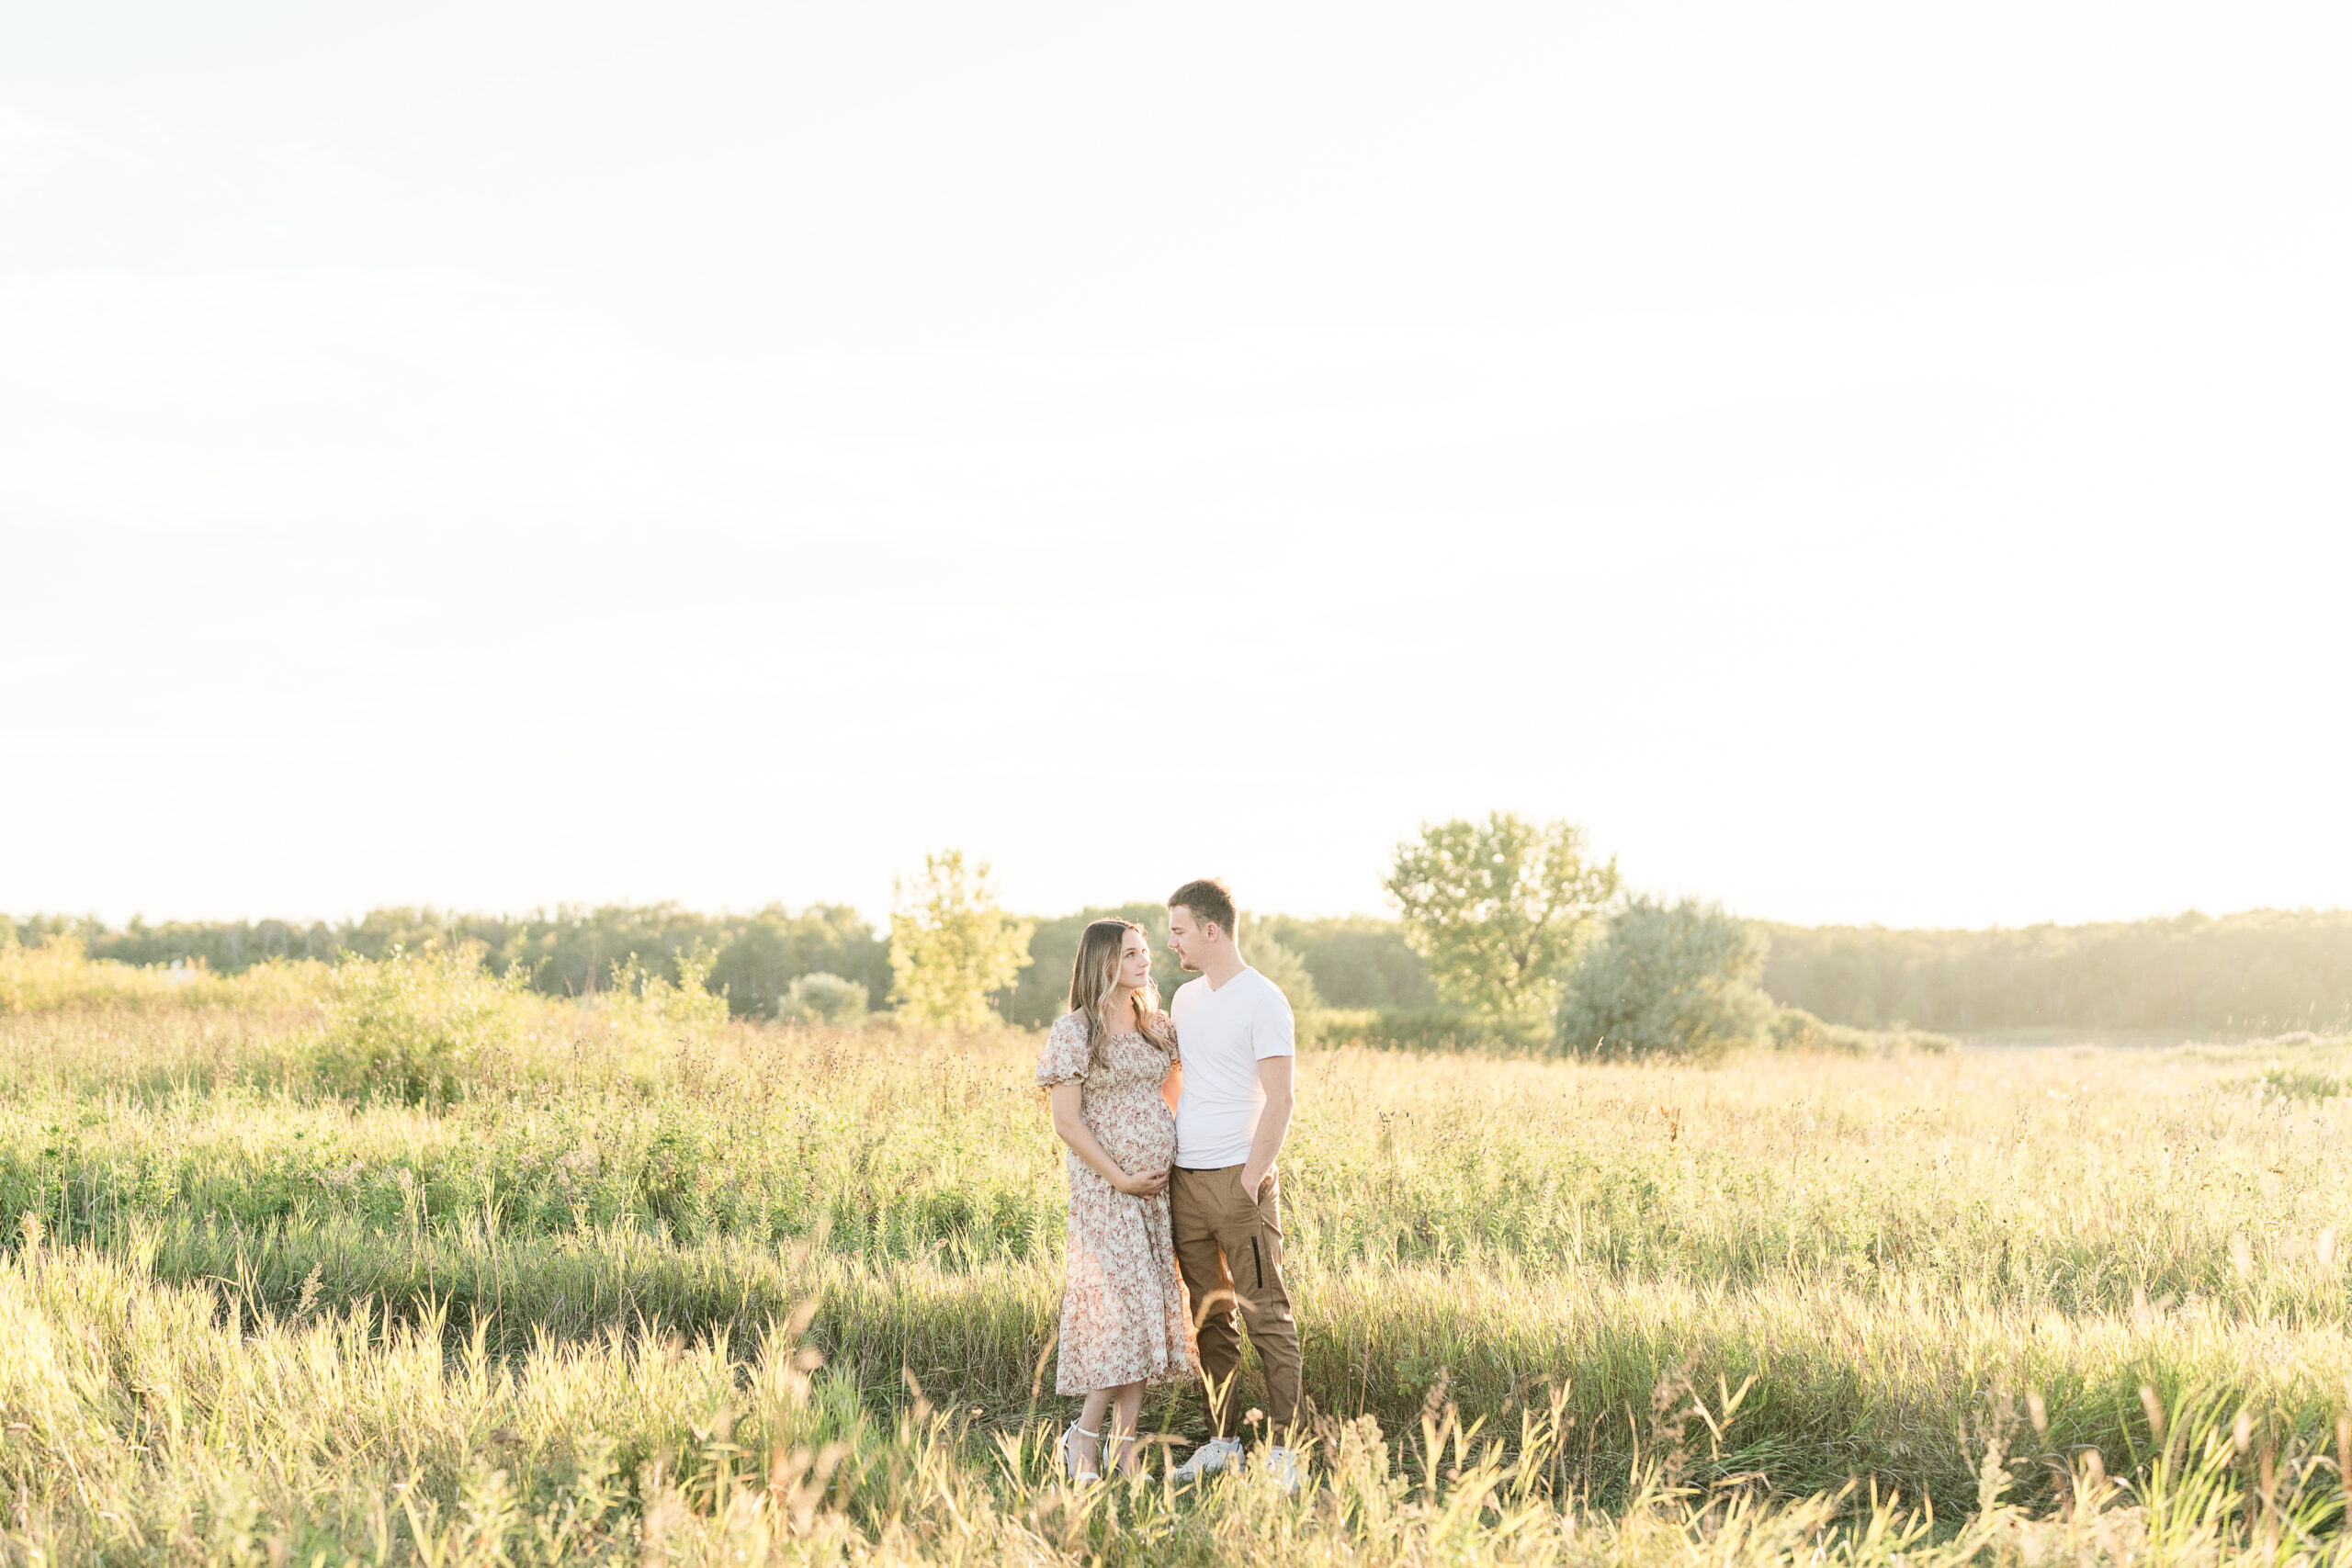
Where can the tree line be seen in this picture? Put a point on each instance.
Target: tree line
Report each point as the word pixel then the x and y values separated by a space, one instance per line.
pixel 1353 962
pixel 1508 929
pixel 1518 922
pixel 2264 971
pixel 755 958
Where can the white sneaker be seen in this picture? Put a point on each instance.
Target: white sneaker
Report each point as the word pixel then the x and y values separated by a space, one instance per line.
pixel 1209 1458
pixel 1069 1461
pixel 1284 1465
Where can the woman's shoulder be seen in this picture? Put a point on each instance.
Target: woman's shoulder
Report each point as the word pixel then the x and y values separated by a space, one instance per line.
pixel 1064 1059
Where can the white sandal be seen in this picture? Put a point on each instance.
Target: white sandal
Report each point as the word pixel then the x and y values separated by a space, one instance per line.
pixel 1113 1465
pixel 1069 1464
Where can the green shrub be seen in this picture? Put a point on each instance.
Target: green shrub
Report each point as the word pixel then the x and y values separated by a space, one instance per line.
pixel 822 999
pixel 1793 1029
pixel 59 976
pixel 647 1012
pixel 414 1026
pixel 1667 979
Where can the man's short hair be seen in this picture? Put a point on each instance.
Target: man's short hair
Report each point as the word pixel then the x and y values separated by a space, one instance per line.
pixel 1210 901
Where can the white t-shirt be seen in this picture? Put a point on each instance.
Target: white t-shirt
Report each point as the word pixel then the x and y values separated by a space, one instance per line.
pixel 1222 1035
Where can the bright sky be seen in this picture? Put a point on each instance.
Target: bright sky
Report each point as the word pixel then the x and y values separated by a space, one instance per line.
pixel 1866 463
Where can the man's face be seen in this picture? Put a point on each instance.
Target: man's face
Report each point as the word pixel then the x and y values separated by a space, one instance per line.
pixel 1185 938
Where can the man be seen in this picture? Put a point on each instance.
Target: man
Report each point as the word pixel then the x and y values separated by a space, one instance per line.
pixel 1235 1032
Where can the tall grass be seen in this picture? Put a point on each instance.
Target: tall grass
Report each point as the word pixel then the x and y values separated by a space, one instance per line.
pixel 256 1284
pixel 147 1424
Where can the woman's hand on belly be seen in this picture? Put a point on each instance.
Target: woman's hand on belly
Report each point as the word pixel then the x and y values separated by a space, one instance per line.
pixel 1145 1184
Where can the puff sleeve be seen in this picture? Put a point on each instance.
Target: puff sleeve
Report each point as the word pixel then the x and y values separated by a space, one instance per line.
pixel 1064 1059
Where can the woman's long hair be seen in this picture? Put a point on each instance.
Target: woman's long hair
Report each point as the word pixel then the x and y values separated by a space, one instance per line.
pixel 1094 982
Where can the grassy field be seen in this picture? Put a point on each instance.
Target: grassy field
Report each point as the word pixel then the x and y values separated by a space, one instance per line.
pixel 395 1262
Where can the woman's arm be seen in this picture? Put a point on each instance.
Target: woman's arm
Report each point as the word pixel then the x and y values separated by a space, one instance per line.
pixel 1071 1127
pixel 1171 1088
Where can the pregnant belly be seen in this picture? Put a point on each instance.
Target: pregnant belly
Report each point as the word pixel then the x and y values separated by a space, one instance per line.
pixel 1139 1143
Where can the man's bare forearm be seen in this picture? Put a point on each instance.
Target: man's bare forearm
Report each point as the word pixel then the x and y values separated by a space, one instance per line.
pixel 1273 1127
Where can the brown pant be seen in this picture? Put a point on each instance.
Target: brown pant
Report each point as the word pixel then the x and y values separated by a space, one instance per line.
pixel 1229 1249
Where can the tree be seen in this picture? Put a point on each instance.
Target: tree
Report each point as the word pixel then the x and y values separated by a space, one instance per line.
pixel 1358 961
pixel 1676 979
pixel 951 945
pixel 1287 970
pixel 1496 908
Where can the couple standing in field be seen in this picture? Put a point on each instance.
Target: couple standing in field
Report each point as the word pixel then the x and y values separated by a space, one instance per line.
pixel 1173 1122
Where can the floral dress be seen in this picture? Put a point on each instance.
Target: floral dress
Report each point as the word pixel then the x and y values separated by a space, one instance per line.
pixel 1124 1318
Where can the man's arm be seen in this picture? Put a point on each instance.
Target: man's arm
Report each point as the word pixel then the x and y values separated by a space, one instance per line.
pixel 1276 1078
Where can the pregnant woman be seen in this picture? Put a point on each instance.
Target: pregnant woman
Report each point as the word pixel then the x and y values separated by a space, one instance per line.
pixel 1112 1071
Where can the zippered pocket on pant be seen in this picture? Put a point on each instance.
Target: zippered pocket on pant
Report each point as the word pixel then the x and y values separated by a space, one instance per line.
pixel 1257 1261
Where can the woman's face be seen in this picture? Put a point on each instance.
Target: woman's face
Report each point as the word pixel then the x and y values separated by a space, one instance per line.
pixel 1135 961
